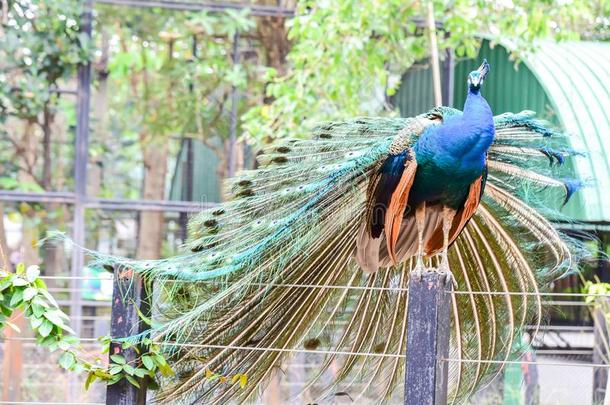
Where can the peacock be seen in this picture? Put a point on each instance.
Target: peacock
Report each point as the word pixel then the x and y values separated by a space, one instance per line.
pixel 313 250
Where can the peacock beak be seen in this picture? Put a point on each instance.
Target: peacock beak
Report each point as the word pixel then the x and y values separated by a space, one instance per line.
pixel 483 70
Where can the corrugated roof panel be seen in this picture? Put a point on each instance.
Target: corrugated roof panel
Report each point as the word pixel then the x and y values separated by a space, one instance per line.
pixel 576 77
pixel 567 83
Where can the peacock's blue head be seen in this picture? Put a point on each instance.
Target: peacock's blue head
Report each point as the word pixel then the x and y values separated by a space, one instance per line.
pixel 476 77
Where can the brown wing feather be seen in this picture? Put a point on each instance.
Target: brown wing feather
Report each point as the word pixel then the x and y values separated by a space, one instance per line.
pixel 396 209
pixel 435 242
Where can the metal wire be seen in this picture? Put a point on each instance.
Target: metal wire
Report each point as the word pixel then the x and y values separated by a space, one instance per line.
pixel 397 289
pixel 51 403
pixel 567 303
pixel 74 278
pixel 561 328
pixel 549 294
pixel 32 339
pixel 282 350
pixel 383 355
pixel 538 363
pixel 575 352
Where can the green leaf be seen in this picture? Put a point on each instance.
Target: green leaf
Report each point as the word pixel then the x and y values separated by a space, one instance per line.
pixel 148 362
pixel 140 372
pixel 45 329
pixel 115 369
pixel 103 375
pixel 115 379
pixel 32 273
pixel 54 317
pixel 64 345
pixel 8 183
pixel 67 360
pixel 143 317
pixel 16 299
pixel 118 359
pixel 91 377
pixel 39 301
pixel 50 298
pixel 37 309
pixel 129 369
pixel 20 269
pixel 40 284
pixel 68 329
pixel 159 359
pixel 36 321
pixel 13 326
pixel 166 370
pixel 5 283
pixel 73 340
pixel 19 282
pixel 29 293
pixel 132 381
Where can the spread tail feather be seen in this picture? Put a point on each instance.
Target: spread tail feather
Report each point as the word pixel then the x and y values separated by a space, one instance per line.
pixel 273 269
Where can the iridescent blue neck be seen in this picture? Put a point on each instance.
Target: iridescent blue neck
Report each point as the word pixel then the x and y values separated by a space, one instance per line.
pixel 475 104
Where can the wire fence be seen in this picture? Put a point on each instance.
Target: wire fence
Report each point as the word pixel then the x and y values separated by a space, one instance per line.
pixel 549 358
pixel 368 288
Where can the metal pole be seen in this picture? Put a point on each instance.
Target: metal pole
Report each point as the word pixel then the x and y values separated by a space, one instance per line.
pixel 233 117
pixel 81 146
pixel 601 352
pixel 429 326
pixel 80 169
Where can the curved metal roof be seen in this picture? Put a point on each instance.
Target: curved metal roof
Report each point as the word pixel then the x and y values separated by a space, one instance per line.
pixel 576 79
pixel 565 82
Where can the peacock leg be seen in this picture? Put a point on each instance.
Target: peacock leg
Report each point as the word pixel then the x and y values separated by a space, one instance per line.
pixel 420 219
pixel 448 215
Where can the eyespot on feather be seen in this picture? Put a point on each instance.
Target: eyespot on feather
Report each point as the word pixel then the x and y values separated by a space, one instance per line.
pixel 210 223
pixel 311 344
pixel 280 159
pixel 245 193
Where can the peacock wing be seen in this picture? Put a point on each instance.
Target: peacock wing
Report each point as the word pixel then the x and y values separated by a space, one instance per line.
pixel 388 193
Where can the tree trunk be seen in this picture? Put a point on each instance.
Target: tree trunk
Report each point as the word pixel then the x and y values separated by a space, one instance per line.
pixel 100 116
pixel 55 262
pixel 274 39
pixel 150 229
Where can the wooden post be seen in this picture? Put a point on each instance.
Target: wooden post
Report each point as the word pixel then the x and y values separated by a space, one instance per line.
pixel 128 292
pixel 601 351
pixel 429 326
pixel 12 362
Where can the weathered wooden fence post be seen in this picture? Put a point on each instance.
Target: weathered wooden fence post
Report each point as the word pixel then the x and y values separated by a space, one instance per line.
pixel 601 352
pixel 429 326
pixel 127 294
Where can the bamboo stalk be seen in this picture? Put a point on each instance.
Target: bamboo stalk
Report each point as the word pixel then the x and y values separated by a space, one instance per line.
pixel 436 72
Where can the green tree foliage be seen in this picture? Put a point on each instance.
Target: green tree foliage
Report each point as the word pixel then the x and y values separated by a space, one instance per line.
pixel 346 58
pixel 40 45
pixel 162 87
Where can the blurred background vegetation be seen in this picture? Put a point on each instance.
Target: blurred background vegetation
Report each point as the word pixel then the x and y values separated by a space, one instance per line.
pixel 182 99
